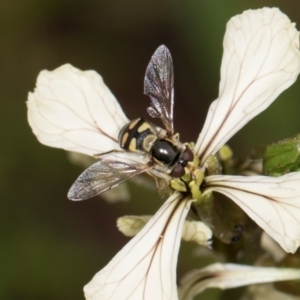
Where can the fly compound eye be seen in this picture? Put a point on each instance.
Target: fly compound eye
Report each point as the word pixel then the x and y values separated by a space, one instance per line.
pixel 177 171
pixel 148 142
pixel 187 155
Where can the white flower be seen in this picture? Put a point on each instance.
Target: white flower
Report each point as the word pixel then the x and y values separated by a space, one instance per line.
pixel 225 276
pixel 74 110
pixel 146 267
pixel 272 202
pixel 261 59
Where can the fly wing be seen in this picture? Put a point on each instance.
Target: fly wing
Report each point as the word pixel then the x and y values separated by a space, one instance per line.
pixel 112 169
pixel 159 86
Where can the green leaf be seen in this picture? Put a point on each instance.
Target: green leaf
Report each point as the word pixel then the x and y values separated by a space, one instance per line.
pixel 282 157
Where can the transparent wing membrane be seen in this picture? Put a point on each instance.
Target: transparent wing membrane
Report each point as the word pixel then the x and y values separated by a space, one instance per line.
pixel 112 169
pixel 159 86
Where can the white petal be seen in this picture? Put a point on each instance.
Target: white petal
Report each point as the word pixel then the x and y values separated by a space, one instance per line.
pixel 272 202
pixel 261 59
pixel 75 111
pixel 193 231
pixel 225 276
pixel 146 267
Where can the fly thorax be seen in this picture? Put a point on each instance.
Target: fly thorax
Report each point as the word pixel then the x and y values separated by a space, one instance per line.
pixel 165 152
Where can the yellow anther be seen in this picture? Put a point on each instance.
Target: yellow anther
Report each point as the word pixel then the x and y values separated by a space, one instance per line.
pixel 178 185
pixel 187 176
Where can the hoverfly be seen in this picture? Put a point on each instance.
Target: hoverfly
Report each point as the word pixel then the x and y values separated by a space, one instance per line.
pixel 145 146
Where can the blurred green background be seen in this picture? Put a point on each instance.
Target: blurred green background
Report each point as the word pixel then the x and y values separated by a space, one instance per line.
pixel 50 246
